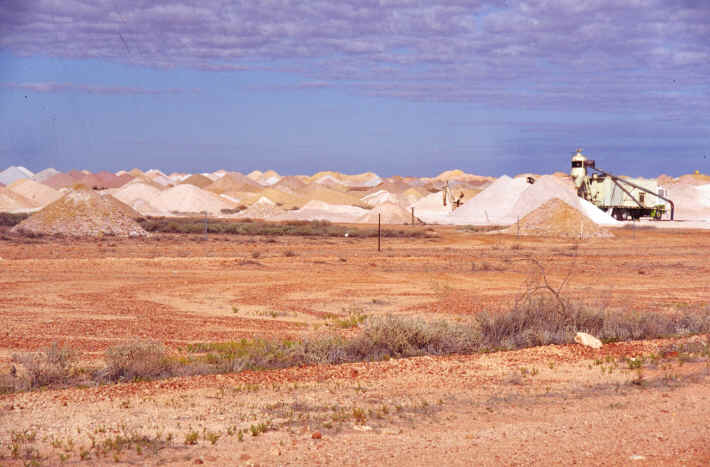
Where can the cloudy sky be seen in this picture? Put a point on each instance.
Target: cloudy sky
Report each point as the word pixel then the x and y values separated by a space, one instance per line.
pixel 409 87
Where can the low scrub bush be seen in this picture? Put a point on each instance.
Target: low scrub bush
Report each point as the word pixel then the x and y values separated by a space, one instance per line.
pixel 52 365
pixel 381 338
pixel 395 337
pixel 629 325
pixel 538 321
pixel 542 321
pixel 138 360
pixel 196 225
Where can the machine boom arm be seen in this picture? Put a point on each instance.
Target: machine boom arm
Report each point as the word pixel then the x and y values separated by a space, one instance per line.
pixel 616 180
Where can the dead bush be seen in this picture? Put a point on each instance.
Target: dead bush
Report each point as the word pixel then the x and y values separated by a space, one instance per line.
pixel 542 321
pixel 52 365
pixel 138 360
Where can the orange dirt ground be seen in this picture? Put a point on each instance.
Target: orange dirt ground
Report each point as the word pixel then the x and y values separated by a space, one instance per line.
pixel 547 405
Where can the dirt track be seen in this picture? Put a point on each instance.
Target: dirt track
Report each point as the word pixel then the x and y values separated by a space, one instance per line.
pixel 545 405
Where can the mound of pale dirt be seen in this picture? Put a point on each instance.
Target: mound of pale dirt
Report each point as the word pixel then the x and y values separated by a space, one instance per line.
pixel 187 198
pixel 285 200
pixel 493 204
pixel 319 210
pixel 84 213
pixel 255 174
pixel 367 179
pixel 211 176
pixel 289 184
pixel 139 196
pixel 261 209
pixel 242 197
pixel 326 176
pixel 142 179
pixel 431 209
pixel 44 174
pixel 198 180
pixel 319 192
pixel 556 218
pixel 162 180
pixel 393 185
pixel 544 189
pixel 152 173
pixel 14 173
pixel 380 197
pixel 61 180
pixel 38 193
pixel 178 177
pixel 234 182
pixel 14 202
pixel 390 213
pixel 692 202
pixel 269 178
pixel 664 179
pixel 693 179
pixel 108 180
pixel 461 176
pixel 332 183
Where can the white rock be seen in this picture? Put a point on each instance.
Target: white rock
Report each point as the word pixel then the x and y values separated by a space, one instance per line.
pixel 362 427
pixel 588 340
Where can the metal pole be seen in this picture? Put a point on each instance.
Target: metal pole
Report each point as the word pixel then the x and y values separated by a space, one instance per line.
pixel 379 232
pixel 518 224
pixel 206 238
pixel 581 229
pixel 412 216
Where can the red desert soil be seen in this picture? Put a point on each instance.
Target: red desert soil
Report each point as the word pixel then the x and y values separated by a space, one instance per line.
pixel 547 405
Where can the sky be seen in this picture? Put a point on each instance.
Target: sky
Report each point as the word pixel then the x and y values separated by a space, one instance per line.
pixel 397 87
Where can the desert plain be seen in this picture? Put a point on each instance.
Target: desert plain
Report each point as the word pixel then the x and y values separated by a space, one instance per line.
pixel 634 402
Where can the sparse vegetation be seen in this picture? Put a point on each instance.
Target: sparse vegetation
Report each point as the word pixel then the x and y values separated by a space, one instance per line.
pixel 538 321
pixel 52 365
pixel 138 360
pixel 259 428
pixel 191 438
pixel 354 319
pixel 481 228
pixel 196 225
pixel 541 321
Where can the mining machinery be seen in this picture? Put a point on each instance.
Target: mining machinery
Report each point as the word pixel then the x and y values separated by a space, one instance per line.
pixel 624 198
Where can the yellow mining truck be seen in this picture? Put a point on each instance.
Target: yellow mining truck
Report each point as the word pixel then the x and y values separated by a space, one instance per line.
pixel 624 198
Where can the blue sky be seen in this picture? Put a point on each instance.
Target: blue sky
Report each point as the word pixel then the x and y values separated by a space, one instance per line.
pixel 391 86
